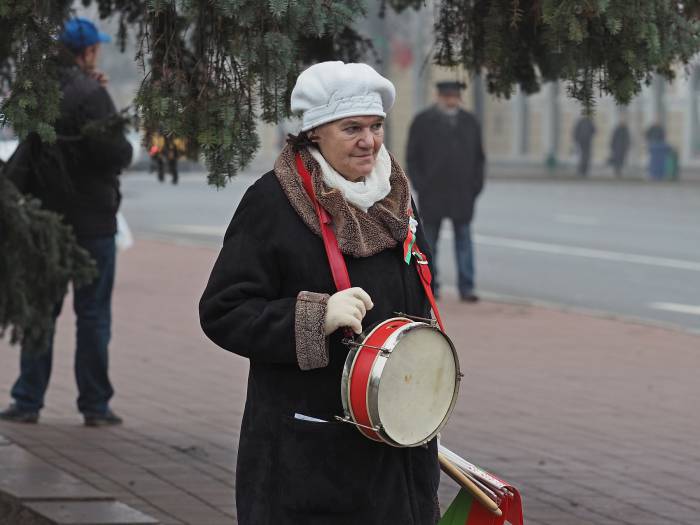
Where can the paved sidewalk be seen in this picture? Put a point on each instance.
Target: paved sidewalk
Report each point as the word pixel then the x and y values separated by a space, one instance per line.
pixel 595 420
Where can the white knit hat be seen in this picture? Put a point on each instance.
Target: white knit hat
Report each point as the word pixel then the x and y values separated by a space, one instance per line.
pixel 330 91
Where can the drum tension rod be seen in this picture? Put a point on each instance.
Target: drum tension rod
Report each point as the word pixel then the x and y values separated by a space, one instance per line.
pixel 348 420
pixel 430 321
pixel 350 342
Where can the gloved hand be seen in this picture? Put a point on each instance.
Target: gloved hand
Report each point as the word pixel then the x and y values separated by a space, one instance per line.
pixel 347 308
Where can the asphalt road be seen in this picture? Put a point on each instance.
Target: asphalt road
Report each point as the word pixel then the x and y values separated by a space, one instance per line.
pixel 622 248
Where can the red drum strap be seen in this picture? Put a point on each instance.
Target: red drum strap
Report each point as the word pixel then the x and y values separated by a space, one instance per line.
pixel 335 258
pixel 426 278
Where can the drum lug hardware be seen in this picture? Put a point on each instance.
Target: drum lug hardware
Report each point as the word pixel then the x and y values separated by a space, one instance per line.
pixel 350 342
pixel 430 321
pixel 460 375
pixel 349 421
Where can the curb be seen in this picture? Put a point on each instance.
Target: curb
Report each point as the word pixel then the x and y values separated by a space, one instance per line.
pixel 34 492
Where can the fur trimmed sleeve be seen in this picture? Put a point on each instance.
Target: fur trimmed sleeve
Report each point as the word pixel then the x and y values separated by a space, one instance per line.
pixel 309 334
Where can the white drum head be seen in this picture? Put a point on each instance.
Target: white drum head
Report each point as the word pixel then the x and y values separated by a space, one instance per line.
pixel 417 386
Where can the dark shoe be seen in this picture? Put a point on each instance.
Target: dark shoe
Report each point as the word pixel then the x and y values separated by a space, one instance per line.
pixel 17 415
pixel 107 419
pixel 469 298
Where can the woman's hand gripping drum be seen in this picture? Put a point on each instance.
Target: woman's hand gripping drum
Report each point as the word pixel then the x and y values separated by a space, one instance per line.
pixel 347 308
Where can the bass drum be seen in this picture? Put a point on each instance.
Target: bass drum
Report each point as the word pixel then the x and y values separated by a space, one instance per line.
pixel 400 382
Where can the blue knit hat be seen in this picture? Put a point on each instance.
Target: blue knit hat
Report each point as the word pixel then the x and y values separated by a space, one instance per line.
pixel 79 33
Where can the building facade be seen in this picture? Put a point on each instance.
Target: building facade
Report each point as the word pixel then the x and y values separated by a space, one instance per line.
pixel 534 133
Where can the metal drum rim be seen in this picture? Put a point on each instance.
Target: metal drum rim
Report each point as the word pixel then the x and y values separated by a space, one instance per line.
pixel 346 379
pixel 374 382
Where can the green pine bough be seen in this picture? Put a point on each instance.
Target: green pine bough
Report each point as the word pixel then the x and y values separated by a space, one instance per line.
pixel 39 256
pixel 594 46
pixel 213 68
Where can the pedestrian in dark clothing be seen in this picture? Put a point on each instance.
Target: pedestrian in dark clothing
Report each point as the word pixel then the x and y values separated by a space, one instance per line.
pixel 272 299
pixel 78 178
pixel 445 161
pixel 658 150
pixel 583 138
pixel 619 147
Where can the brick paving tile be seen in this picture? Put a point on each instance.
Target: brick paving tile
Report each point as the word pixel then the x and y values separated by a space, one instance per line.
pixel 588 416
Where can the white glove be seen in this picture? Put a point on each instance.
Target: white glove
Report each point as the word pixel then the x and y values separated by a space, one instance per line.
pixel 347 308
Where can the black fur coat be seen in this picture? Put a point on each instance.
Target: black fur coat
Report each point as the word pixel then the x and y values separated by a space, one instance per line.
pixel 292 471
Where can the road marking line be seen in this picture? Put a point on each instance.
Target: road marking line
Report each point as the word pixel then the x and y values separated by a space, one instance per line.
pixel 675 307
pixel 556 249
pixel 559 249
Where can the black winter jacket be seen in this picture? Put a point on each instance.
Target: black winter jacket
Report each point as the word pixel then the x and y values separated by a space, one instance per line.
pixel 445 163
pixel 78 175
pixel 291 471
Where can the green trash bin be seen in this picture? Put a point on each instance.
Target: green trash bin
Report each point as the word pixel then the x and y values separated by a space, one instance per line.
pixel 671 168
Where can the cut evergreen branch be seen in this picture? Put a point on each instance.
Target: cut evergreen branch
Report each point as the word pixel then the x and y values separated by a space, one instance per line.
pixel 39 257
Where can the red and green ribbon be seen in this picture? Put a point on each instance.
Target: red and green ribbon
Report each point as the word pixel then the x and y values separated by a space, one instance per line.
pixel 410 240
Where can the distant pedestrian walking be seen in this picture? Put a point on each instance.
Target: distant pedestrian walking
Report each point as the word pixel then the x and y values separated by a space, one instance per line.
pixel 84 188
pixel 446 166
pixel 658 150
pixel 584 130
pixel 166 150
pixel 619 147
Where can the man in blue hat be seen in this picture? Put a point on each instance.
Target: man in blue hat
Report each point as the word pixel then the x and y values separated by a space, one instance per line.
pixel 77 177
pixel 82 39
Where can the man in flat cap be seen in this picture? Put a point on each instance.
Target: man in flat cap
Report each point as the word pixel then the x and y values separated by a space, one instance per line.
pixel 445 161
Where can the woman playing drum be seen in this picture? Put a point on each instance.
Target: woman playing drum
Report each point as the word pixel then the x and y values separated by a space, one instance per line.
pixel 272 298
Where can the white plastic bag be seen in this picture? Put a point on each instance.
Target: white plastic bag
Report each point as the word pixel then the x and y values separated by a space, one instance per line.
pixel 124 238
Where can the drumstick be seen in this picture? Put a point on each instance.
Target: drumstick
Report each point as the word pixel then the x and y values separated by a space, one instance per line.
pixel 490 493
pixel 474 472
pixel 452 471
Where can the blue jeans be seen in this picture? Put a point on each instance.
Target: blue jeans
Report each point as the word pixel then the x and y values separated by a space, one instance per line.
pixel 92 305
pixel 464 254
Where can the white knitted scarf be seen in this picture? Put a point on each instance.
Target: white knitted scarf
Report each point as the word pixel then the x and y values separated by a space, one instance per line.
pixel 362 194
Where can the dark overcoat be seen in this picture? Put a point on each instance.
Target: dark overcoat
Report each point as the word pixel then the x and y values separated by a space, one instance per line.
pixel 445 163
pixel 292 471
pixel 619 145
